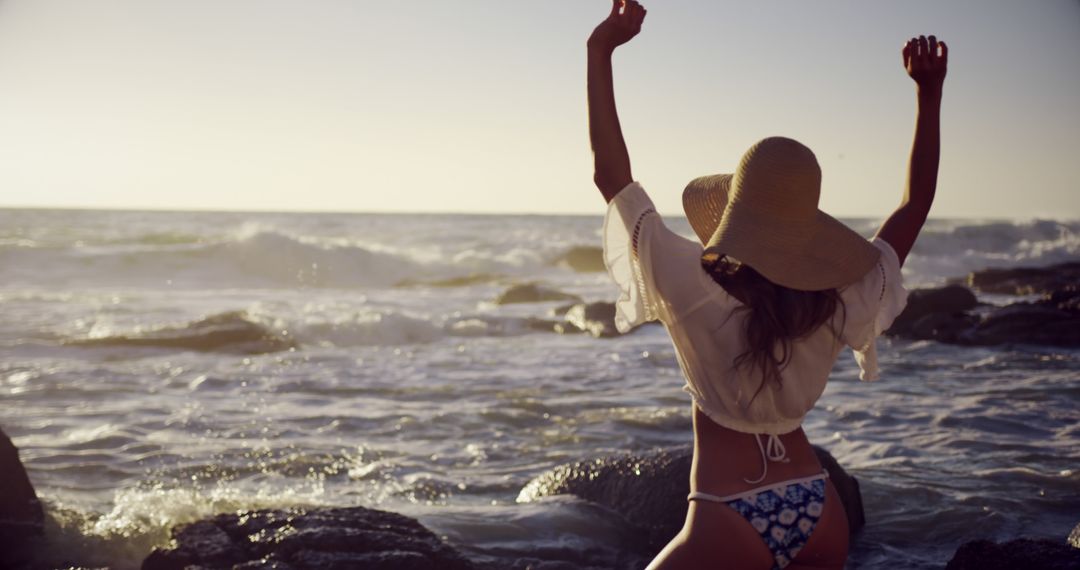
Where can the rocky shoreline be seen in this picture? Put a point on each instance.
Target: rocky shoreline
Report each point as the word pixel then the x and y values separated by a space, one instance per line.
pixel 650 489
pixel 22 519
pixel 646 490
pixel 949 314
pixel 953 315
pixel 327 538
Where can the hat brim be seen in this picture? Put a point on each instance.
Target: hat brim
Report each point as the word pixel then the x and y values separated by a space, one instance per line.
pixel 704 201
pixel 817 254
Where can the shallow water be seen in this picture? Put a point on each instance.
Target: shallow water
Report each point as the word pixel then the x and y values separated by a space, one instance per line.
pixel 434 402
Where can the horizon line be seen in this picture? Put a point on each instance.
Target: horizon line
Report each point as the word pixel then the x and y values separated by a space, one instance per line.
pixel 600 212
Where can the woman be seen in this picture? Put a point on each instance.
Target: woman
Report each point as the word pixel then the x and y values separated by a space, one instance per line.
pixel 758 313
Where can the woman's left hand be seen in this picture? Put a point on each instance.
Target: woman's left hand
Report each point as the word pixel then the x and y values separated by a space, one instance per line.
pixel 621 25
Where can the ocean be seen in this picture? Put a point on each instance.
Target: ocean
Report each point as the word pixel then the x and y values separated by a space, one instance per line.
pixel 394 381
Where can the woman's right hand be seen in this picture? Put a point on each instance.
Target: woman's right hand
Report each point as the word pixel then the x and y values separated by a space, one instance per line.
pixel 621 25
pixel 926 61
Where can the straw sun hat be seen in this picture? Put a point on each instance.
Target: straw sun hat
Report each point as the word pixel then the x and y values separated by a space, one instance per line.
pixel 766 215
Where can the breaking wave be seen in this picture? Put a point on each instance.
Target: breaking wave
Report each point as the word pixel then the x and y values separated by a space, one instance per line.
pixel 257 257
pixel 944 251
pixel 251 332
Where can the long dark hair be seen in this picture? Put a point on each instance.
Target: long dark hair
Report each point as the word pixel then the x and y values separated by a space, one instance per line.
pixel 778 315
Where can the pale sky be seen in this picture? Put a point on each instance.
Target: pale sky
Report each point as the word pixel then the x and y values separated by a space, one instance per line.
pixel 479 105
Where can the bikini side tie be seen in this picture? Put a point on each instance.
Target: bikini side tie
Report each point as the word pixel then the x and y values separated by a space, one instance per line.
pixel 773 450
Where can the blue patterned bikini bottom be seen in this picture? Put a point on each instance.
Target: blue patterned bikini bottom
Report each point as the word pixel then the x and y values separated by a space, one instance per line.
pixel 784 514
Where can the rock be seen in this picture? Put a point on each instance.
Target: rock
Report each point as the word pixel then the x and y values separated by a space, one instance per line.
pixel 949 300
pixel 533 293
pixel 847 486
pixel 583 259
pixel 202 542
pixel 1065 299
pixel 650 489
pixel 942 327
pixel 297 539
pixel 21 516
pixel 597 319
pixel 545 325
pixel 1015 554
pixel 1026 323
pixel 460 281
pixel 230 331
pixel 19 504
pixel 561 310
pixel 1025 280
pixel 944 314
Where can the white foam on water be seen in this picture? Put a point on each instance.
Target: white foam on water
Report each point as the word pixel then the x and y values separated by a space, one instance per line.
pixel 142 511
pixel 366 328
pixel 142 518
pixel 946 250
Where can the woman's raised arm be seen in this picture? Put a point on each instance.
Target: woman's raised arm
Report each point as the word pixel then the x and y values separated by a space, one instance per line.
pixel 926 61
pixel 611 160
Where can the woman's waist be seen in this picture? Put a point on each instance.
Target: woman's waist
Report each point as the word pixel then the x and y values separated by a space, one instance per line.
pixel 727 462
pixel 768 415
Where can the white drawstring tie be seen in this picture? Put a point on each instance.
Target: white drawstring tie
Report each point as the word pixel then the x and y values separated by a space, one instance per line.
pixel 773 450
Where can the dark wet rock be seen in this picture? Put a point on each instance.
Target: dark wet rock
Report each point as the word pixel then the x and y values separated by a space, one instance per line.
pixel 1025 280
pixel 941 302
pixel 460 281
pixel 232 332
pixel 546 325
pixel 1064 299
pixel 1014 555
pixel 21 516
pixel 597 319
pixel 563 327
pixel 1030 323
pixel 583 259
pixel 650 489
pixel 561 310
pixel 951 314
pixel 343 538
pixel 847 486
pixel 942 327
pixel 203 543
pixel 533 293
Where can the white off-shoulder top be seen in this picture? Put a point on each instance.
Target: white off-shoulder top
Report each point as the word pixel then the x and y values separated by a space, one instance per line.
pixel 660 277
